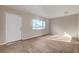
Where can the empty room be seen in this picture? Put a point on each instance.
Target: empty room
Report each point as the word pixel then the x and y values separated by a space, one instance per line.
pixel 39 29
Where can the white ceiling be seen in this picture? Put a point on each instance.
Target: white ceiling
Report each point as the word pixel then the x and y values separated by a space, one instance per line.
pixel 48 11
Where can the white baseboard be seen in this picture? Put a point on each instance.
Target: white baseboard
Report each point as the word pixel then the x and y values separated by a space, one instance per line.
pixel 22 39
pixel 3 43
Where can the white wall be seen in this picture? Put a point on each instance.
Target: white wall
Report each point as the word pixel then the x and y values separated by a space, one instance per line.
pixel 28 32
pixel 68 24
pixel 2 27
pixel 78 25
pixel 26 29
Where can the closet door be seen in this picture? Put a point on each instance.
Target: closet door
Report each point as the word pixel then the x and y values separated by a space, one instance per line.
pixel 13 27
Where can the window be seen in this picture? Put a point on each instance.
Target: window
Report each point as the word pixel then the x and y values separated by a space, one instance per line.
pixel 38 24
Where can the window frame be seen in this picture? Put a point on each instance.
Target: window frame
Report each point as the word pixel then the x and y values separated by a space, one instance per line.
pixel 43 26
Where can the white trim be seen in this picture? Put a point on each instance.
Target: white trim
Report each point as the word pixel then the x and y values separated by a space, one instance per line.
pixel 3 43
